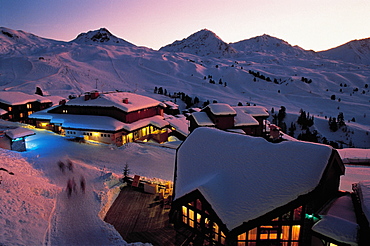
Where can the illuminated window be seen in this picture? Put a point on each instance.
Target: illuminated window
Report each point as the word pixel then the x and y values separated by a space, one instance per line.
pixel 295 232
pixel 21 115
pixel 29 113
pixel 191 218
pixel 65 111
pixel 268 233
pixel 9 108
pixel 184 214
pixel 297 213
pixel 29 105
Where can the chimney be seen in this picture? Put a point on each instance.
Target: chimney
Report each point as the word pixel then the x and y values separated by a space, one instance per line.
pixel 87 96
pixel 94 94
pixel 125 100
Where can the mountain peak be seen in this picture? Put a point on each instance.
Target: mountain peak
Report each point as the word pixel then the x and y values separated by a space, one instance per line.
pixel 101 36
pixel 269 44
pixel 355 51
pixel 202 43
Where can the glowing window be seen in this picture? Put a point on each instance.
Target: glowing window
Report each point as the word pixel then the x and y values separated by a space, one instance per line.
pixel 285 232
pixel 29 105
pixel 295 232
pixel 184 214
pixel 297 213
pixel 252 234
pixel 268 233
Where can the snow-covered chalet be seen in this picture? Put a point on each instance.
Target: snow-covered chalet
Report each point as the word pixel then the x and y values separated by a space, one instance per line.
pixel 249 120
pixel 113 118
pixel 235 189
pixel 17 106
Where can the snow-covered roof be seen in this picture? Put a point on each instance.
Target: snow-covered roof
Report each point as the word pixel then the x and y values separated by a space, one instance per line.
pixel 87 122
pixel 171 104
pixel 253 110
pixel 2 111
pixel 339 223
pixel 135 101
pixel 94 122
pixel 202 119
pixel 365 197
pixel 221 109
pixel 245 177
pixel 354 155
pixel 156 120
pixel 244 119
pixel 19 132
pixel 17 97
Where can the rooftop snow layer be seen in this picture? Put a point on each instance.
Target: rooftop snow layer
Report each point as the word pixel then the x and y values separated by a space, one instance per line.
pixel 202 119
pixel 19 132
pixel 17 97
pixel 245 177
pixel 340 221
pixel 254 110
pixel 135 101
pixel 244 119
pixel 94 122
pixel 221 109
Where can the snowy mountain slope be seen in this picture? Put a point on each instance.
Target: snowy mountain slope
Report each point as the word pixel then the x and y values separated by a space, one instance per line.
pixel 74 68
pixel 202 43
pixel 271 45
pixel 101 36
pixel 19 43
pixel 355 51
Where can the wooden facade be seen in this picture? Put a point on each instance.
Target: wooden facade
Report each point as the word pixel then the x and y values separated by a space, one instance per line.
pixel 20 112
pixel 113 112
pixel 222 121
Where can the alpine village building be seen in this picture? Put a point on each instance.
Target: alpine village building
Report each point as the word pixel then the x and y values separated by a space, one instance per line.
pixel 113 118
pixel 235 189
pixel 17 106
pixel 248 120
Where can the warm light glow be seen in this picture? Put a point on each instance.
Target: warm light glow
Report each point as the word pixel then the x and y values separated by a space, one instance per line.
pixel 295 232
pixel 95 134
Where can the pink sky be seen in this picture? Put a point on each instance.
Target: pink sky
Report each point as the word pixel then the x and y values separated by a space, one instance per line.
pixel 311 24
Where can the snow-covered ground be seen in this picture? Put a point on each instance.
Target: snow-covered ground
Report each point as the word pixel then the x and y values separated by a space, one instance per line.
pixel 35 207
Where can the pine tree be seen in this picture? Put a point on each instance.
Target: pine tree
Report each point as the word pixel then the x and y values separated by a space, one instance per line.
pixel 333 125
pixel 39 91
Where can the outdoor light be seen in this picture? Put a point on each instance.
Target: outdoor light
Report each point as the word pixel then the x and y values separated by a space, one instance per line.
pixel 312 217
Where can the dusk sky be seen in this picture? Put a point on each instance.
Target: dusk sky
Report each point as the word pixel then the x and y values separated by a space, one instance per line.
pixel 310 24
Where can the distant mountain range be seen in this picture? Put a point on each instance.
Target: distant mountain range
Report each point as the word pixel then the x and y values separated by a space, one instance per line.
pixel 202 43
pixel 263 70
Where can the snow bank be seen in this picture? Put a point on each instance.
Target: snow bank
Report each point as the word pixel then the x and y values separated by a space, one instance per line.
pixel 27 201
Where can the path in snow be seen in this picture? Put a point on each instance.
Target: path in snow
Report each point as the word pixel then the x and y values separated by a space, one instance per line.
pixel 74 222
